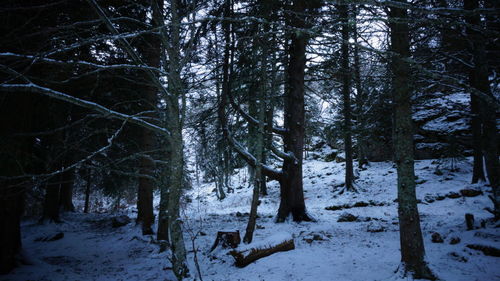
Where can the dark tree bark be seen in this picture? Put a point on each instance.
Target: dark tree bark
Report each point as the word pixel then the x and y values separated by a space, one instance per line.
pixel 253 129
pixel 225 87
pixel 174 123
pixel 11 208
pixel 145 190
pixel 222 171
pixel 291 185
pixel 412 244
pixel 158 49
pixel 476 122
pixel 51 204
pixel 346 96
pixel 252 219
pixel 88 185
pixel 268 140
pixel 360 100
pixel 476 128
pixel 270 100
pixel 487 111
pixel 15 159
pixel 151 49
pixel 162 233
pixel 66 191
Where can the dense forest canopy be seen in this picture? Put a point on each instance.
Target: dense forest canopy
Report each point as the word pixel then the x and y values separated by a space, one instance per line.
pixel 142 102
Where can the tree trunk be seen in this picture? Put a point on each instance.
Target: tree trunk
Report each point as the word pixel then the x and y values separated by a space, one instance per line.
pixel 11 208
pixel 176 167
pixel 476 128
pixel 51 202
pixel 259 143
pixel 291 186
pixel 268 139
pixel 151 48
pixel 253 129
pixel 259 177
pixel 15 160
pixel 476 123
pixel 66 196
pixel 227 168
pixel 15 155
pixel 176 186
pixel 252 220
pixel 487 112
pixel 346 97
pixel 86 207
pixel 145 214
pixel 412 244
pixel 270 100
pixel 360 99
pixel 162 233
pixel 219 183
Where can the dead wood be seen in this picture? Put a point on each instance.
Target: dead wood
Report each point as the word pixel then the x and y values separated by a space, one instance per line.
pixel 487 250
pixel 469 221
pixel 242 259
pixel 227 239
pixel 50 238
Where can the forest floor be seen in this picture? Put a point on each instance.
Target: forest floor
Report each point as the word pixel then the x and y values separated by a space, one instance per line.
pixel 364 249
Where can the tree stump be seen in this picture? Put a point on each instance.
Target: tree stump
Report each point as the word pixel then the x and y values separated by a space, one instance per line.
pixel 469 220
pixel 227 239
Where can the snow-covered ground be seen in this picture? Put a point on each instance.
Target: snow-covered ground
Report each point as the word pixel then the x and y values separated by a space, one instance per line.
pixel 324 250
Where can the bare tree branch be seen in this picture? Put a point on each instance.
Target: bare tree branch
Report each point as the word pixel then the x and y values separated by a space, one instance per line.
pixel 31 87
pixel 128 48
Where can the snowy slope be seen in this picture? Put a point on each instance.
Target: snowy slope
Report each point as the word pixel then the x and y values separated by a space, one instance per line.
pixel 325 250
pixel 346 250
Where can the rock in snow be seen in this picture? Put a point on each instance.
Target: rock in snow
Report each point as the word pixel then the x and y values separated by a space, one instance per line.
pixel 436 238
pixel 120 221
pixel 347 217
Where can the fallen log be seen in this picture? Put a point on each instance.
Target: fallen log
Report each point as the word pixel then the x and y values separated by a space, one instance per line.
pixel 242 259
pixel 50 238
pixel 359 204
pixel 487 250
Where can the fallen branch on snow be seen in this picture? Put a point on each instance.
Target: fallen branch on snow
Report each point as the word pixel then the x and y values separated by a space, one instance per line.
pixel 242 260
pixel 487 250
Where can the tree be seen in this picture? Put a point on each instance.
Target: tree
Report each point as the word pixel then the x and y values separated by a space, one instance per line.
pixel 151 49
pixel 411 241
pixel 174 123
pixel 360 100
pixel 14 159
pixel 291 189
pixel 486 111
pixel 290 177
pixel 346 96
pixel 260 108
